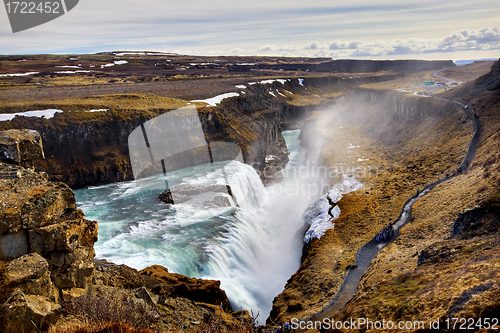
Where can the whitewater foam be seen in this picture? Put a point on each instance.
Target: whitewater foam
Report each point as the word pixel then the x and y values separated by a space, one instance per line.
pixel 252 249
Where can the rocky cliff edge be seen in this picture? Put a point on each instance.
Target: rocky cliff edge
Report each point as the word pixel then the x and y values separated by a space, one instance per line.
pixel 47 268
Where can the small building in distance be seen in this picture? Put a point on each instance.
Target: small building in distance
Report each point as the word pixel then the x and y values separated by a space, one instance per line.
pixel 429 83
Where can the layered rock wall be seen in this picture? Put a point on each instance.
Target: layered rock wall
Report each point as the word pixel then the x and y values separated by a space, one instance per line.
pixel 48 242
pixel 82 150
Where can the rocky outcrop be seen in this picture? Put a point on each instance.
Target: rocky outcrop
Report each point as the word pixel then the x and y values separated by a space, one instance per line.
pixel 33 303
pixel 20 147
pixel 186 192
pixel 49 243
pixel 160 281
pixel 31 274
pixel 157 280
pixel 181 302
pixel 40 216
pixel 27 313
pixel 47 260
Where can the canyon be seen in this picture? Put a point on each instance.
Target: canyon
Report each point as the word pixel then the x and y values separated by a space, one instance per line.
pixel 405 142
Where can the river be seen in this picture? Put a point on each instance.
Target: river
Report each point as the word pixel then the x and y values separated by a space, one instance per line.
pixel 252 248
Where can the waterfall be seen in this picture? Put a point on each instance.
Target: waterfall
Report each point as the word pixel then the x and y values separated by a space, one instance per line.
pixel 263 246
pixel 252 248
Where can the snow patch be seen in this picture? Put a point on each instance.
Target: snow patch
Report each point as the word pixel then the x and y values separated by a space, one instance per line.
pixel 47 114
pixel 116 62
pixel 270 158
pixel 282 81
pixel 241 86
pixel 18 74
pixel 98 110
pixel 317 214
pixel 73 72
pixel 217 99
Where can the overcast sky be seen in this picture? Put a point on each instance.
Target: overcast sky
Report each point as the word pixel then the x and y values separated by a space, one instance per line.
pixel 382 29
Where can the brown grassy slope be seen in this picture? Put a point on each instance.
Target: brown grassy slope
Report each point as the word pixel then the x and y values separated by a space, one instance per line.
pixel 396 288
pixel 404 155
pixel 468 72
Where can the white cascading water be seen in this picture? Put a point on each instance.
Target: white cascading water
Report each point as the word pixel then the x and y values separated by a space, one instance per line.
pixel 252 250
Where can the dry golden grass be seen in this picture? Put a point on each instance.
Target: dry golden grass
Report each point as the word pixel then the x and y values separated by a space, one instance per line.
pixel 72 80
pixel 113 102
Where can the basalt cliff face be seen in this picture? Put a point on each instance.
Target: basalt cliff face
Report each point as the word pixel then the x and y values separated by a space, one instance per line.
pixel 47 268
pixel 363 66
pixel 84 148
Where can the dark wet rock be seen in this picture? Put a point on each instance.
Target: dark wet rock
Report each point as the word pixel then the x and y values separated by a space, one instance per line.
pixel 184 192
pixel 477 221
pixel 169 198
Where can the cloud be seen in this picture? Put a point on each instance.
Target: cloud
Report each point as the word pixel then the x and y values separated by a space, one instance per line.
pixel 463 40
pixel 236 51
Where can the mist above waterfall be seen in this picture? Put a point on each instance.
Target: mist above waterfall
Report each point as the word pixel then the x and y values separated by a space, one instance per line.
pixel 252 249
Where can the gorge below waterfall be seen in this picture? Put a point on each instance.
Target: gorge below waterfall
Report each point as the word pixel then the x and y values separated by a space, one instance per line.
pixel 252 249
